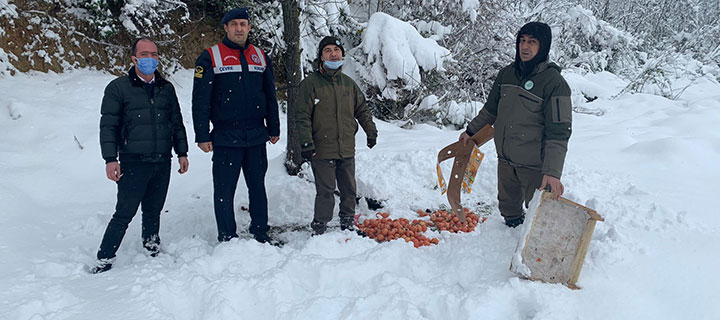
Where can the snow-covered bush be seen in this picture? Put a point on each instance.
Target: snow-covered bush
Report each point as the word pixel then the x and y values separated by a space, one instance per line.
pixel 392 53
pixel 393 61
pixel 582 41
pixel 136 17
pixel 319 18
pixel 678 39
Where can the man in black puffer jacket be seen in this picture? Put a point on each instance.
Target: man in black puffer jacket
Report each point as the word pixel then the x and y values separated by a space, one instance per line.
pixel 141 122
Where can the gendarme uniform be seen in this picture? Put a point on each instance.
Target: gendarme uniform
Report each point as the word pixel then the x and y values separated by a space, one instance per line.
pixel 234 89
pixel 529 106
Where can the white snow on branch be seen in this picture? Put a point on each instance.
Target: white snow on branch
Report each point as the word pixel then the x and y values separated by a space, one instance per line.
pixel 436 30
pixel 395 50
pixel 471 7
pixel 319 18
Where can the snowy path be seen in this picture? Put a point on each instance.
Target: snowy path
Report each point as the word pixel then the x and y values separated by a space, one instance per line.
pixel 649 165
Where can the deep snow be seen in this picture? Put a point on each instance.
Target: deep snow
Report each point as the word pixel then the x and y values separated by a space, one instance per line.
pixel 647 164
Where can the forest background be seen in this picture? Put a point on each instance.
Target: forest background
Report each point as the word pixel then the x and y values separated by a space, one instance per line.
pixel 649 43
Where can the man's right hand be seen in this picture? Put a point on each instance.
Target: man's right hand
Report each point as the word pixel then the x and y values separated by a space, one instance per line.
pixel 205 146
pixel 112 170
pixel 464 137
pixel 556 186
pixel 308 154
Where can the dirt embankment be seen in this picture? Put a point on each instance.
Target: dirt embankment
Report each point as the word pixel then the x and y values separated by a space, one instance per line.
pixel 46 37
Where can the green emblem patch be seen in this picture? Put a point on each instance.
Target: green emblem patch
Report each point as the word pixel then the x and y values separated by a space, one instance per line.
pixel 529 85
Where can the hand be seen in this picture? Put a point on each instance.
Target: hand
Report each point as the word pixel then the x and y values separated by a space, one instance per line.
pixel 184 164
pixel 371 142
pixel 112 171
pixel 274 140
pixel 308 154
pixel 464 137
pixel 205 146
pixel 556 187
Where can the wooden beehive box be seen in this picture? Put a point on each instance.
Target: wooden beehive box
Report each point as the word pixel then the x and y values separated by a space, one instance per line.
pixel 556 239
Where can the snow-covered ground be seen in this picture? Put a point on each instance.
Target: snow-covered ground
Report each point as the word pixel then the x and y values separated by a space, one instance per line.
pixel 649 165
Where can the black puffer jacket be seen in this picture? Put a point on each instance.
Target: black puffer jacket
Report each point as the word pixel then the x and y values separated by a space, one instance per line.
pixel 140 125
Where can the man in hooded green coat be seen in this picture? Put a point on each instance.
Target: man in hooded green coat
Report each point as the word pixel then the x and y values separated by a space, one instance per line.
pixel 530 109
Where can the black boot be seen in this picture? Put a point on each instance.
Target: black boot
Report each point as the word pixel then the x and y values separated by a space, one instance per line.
pixel 101 266
pixel 512 223
pixel 152 245
pixel 153 249
pixel 347 225
pixel 318 227
pixel 265 238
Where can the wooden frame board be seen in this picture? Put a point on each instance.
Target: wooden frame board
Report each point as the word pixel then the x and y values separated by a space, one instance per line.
pixel 556 239
pixel 462 153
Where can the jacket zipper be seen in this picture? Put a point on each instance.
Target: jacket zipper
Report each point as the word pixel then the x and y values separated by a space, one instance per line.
pixel 502 147
pixel 338 116
pixel 154 119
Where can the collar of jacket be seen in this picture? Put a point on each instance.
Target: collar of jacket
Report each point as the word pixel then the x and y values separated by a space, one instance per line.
pixel 234 45
pixel 330 74
pixel 539 67
pixel 137 82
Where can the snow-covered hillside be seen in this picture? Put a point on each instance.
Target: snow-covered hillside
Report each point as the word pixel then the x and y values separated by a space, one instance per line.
pixel 649 165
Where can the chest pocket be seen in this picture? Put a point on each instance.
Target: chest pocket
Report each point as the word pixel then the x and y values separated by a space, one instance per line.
pixel 530 101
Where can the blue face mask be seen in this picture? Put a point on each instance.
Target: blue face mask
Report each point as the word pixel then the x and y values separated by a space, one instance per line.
pixel 333 65
pixel 147 65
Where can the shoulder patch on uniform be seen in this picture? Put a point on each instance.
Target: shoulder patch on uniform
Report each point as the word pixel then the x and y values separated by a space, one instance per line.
pixel 199 72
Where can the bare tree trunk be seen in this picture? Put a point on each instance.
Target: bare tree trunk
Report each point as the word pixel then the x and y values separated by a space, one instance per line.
pixel 291 35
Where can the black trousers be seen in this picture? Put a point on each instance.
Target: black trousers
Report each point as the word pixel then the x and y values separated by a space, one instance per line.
pixel 227 164
pixel 516 186
pixel 327 172
pixel 143 183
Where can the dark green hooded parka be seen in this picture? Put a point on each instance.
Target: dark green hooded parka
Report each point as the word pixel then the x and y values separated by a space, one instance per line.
pixel 530 108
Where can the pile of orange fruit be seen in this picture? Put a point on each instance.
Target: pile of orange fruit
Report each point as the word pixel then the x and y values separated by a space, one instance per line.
pixel 445 221
pixel 385 229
